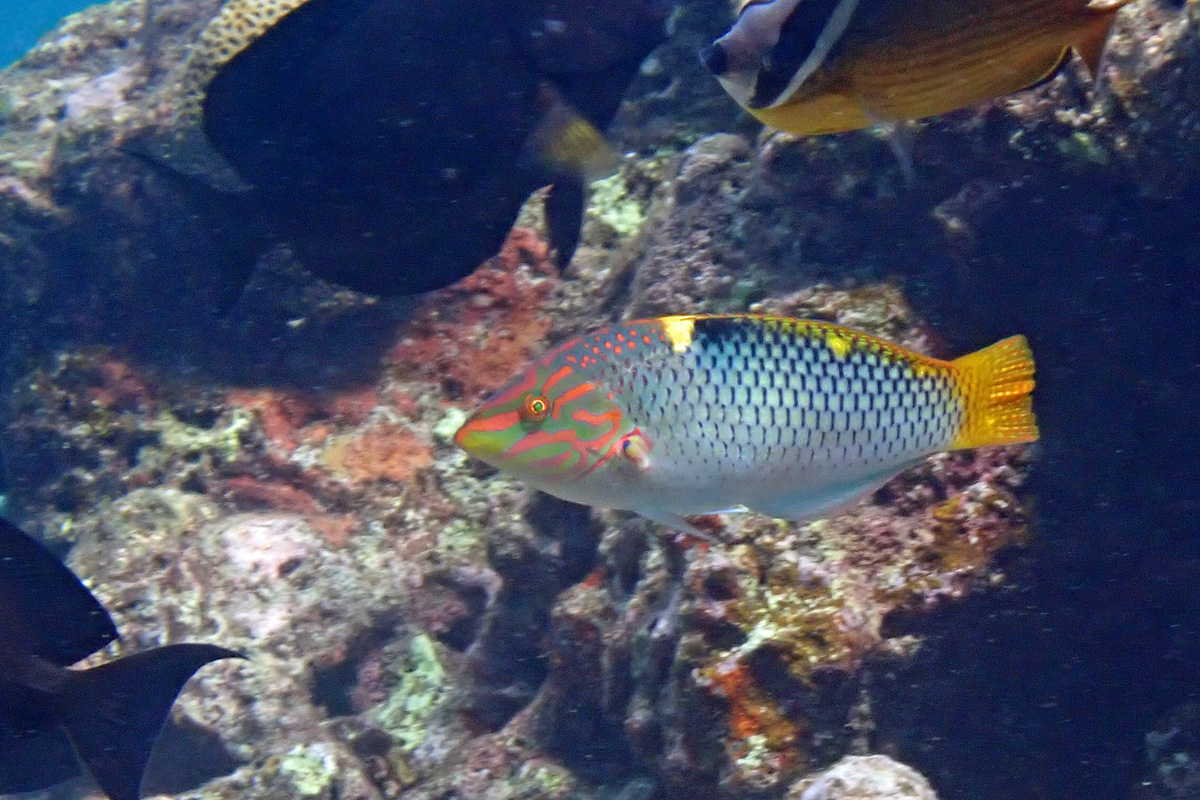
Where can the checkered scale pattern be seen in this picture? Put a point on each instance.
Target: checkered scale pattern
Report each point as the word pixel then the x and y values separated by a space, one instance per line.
pixel 747 394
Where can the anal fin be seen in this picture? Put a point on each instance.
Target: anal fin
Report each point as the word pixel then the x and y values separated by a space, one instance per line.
pixel 113 713
pixel 825 501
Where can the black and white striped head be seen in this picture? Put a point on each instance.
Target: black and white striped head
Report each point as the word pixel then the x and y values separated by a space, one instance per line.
pixel 774 46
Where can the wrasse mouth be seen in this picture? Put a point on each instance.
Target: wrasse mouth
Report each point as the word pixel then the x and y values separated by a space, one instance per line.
pixel 481 444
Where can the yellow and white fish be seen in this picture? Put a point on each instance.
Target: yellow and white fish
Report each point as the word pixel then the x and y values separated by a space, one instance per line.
pixel 824 66
pixel 698 414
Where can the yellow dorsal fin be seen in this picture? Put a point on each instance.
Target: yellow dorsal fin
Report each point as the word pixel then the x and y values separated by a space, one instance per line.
pixel 996 383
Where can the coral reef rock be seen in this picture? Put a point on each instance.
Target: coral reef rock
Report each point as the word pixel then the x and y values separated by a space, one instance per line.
pixel 281 478
pixel 864 778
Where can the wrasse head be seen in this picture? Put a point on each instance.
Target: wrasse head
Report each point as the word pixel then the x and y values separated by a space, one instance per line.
pixel 550 426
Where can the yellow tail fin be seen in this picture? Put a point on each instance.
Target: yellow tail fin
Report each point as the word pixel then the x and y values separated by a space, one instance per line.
pixel 996 383
pixel 564 141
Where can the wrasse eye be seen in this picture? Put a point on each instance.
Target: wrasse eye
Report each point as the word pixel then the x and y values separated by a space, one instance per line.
pixel 534 408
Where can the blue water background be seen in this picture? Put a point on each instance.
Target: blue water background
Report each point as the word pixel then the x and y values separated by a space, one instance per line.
pixel 22 23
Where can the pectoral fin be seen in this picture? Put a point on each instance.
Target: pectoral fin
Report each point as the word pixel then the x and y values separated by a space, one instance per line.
pixel 566 142
pixel 671 520
pixel 231 221
pixel 1064 58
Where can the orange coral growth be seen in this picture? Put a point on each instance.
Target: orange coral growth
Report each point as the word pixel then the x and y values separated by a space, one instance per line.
pixel 315 433
pixel 291 418
pixel 404 403
pixel 352 406
pixel 120 387
pixel 246 493
pixel 384 452
pixel 751 712
pixel 334 528
pixel 492 362
pixel 523 246
pixel 282 413
pixel 595 579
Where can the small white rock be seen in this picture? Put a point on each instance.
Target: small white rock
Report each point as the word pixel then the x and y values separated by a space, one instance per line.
pixel 864 778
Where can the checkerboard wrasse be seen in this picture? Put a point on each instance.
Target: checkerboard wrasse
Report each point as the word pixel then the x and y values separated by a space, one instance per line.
pixel 824 66
pixel 790 418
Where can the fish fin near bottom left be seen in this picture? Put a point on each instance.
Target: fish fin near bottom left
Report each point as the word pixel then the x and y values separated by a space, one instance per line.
pixel 900 139
pixel 34 758
pixel 63 622
pixel 113 713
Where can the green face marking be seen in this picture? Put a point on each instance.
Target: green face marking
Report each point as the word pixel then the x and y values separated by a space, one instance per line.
pixel 549 426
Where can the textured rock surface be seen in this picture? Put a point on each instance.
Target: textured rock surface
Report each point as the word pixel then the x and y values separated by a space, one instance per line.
pixel 864 778
pixel 281 479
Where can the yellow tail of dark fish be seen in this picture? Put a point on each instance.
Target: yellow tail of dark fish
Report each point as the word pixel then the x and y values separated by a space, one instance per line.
pixel 565 142
pixel 996 383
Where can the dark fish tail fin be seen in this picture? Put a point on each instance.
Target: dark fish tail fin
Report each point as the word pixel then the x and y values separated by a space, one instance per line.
pixel 46 610
pixel 1094 36
pixel 113 713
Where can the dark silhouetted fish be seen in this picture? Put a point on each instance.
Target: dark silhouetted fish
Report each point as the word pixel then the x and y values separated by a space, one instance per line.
pixel 824 66
pixel 391 143
pixel 53 719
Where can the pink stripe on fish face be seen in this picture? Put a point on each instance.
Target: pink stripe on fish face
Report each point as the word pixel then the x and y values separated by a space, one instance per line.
pixel 579 427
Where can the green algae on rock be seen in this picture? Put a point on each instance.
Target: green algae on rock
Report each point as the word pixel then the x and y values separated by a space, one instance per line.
pixel 310 769
pixel 422 688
